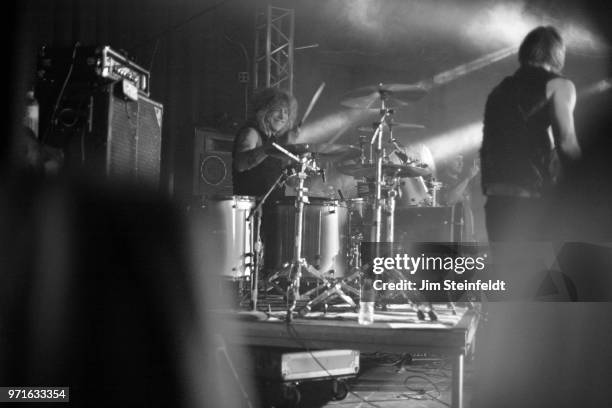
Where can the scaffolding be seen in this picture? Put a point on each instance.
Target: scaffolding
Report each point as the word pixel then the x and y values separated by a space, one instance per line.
pixel 273 62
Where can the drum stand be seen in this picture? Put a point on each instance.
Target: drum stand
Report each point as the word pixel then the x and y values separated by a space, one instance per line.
pixel 335 289
pixel 257 247
pixel 379 202
pixel 298 263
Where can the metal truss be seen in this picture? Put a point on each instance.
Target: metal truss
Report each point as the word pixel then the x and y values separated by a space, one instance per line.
pixel 273 62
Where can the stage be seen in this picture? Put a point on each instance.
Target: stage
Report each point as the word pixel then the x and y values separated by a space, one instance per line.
pixel 397 330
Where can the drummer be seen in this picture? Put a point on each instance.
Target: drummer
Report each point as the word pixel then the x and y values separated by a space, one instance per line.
pixel 272 119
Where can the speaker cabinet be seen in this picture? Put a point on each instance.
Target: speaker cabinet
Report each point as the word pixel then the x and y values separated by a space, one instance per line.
pixel 130 134
pixel 108 135
pixel 212 163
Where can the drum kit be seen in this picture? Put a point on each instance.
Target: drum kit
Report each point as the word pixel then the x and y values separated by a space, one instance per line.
pixel 310 239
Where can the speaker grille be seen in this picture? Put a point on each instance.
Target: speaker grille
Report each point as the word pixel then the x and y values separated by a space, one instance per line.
pixel 212 163
pixel 133 145
pixel 148 156
pixel 213 170
pixel 122 139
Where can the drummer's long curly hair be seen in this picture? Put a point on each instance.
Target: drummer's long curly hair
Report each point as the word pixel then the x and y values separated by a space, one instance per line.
pixel 266 100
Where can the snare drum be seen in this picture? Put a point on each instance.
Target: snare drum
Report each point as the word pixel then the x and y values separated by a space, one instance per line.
pixel 229 236
pixel 324 236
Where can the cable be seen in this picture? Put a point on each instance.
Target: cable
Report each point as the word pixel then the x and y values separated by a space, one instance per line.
pixel 61 92
pixel 304 346
pixel 386 359
pixel 423 392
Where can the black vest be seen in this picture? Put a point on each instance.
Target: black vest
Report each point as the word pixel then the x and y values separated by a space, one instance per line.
pixel 516 148
pixel 257 180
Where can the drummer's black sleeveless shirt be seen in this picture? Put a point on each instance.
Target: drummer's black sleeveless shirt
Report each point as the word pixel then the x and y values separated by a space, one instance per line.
pixel 257 180
pixel 516 149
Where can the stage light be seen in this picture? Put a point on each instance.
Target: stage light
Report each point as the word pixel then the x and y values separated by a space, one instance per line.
pixel 364 13
pixel 505 23
pixel 595 88
pixel 464 69
pixel 329 128
pixel 465 139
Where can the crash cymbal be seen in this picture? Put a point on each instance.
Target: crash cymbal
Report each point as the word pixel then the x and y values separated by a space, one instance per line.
pixel 394 125
pixel 393 95
pixel 359 170
pixel 325 151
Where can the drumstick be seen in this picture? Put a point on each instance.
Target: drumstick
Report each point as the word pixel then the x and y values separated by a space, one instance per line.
pixel 314 99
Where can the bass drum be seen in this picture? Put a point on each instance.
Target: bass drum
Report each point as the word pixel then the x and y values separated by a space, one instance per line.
pixel 324 236
pixel 228 236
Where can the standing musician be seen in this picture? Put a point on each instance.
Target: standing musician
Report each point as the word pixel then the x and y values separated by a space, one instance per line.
pixel 273 116
pixel 520 160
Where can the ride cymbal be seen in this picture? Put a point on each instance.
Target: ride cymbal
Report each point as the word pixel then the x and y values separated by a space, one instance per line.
pixel 393 94
pixel 394 125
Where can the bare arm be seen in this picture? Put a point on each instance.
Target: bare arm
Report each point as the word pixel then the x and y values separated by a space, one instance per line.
pixel 456 194
pixel 563 94
pixel 250 150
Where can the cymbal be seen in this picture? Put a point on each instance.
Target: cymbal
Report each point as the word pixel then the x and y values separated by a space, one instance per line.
pixel 393 94
pixel 325 151
pixel 359 170
pixel 394 125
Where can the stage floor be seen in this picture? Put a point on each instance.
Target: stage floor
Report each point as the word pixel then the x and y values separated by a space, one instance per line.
pixel 397 330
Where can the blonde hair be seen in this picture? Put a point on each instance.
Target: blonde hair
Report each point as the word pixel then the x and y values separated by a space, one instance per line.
pixel 268 99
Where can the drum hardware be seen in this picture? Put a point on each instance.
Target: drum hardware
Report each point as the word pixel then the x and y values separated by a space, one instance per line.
pixel 435 187
pixel 397 125
pixel 368 170
pixel 362 141
pixel 386 174
pixel 298 262
pixel 306 164
pixel 322 151
pixel 335 289
pixel 326 220
pixel 282 178
pixel 394 95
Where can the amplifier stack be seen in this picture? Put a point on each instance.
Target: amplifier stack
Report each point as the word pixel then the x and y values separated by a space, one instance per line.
pixel 94 104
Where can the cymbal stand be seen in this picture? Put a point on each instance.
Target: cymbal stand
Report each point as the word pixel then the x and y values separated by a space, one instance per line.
pixel 362 157
pixel 335 289
pixel 257 260
pixel 435 187
pixel 306 163
pixel 377 138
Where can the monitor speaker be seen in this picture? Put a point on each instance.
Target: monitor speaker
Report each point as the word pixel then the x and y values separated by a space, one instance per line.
pixel 212 163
